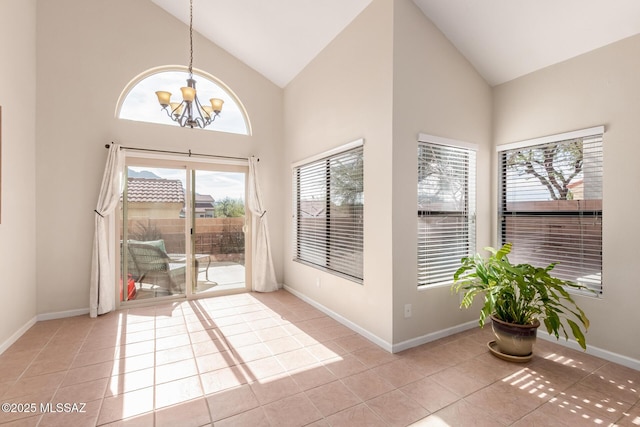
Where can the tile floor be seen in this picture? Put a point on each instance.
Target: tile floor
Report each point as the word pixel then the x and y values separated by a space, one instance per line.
pixel 273 360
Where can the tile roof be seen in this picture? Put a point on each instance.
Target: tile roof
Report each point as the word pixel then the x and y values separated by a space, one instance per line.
pixel 155 190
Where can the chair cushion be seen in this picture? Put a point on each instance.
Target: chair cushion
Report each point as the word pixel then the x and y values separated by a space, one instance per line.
pixel 157 243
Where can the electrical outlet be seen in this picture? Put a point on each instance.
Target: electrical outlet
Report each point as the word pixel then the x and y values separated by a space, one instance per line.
pixel 407 311
pixel 317 282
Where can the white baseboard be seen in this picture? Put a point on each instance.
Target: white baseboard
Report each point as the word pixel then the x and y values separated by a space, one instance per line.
pixel 414 342
pixel 63 314
pixel 13 338
pixel 594 351
pixel 39 318
pixel 343 320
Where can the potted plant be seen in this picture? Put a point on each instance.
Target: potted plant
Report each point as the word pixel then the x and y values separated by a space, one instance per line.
pixel 517 298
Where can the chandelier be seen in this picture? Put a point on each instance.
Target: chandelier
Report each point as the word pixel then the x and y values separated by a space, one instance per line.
pixel 189 112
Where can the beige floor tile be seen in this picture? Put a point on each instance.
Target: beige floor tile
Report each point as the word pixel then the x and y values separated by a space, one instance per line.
pixel 222 379
pixel 460 413
pixel 46 384
pixel 352 343
pixel 231 402
pixel 251 352
pixel 292 411
pixel 271 389
pixel 312 376
pixel 215 361
pixel 32 421
pixel 398 409
pixel 134 337
pixel 323 351
pixel 540 419
pixel 244 339
pixel 84 358
pixel 272 333
pixel 124 383
pixel 79 415
pixel 431 395
pixel 178 391
pixel 12 370
pixel 597 401
pixel 193 413
pixel 572 414
pixel 126 405
pixel 171 331
pixel 239 352
pixel 252 418
pixel 504 406
pixel 398 373
pixel 238 329
pixel 176 370
pixel 88 373
pixel 344 366
pixel 283 345
pixel 172 342
pixel 456 381
pixel 375 356
pixel 332 397
pixel 630 418
pixel 261 368
pixel 81 392
pixel 367 385
pixel 133 363
pixel 359 415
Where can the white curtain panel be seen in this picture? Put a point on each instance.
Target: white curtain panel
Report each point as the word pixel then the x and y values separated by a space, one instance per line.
pixel 264 276
pixel 101 293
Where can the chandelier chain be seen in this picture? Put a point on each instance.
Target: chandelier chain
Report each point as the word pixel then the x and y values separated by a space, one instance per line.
pixel 189 112
pixel 191 38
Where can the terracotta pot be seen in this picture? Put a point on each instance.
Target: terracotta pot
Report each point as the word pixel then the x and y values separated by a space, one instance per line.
pixel 512 339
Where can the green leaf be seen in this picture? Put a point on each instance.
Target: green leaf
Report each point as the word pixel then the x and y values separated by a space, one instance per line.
pixel 577 333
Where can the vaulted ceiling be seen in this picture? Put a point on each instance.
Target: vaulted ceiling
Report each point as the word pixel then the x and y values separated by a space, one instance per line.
pixel 502 39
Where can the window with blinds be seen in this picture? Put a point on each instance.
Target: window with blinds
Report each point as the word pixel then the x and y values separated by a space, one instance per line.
pixel 551 204
pixel 329 207
pixel 446 210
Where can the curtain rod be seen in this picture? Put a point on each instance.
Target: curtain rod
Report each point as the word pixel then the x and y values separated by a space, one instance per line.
pixel 184 153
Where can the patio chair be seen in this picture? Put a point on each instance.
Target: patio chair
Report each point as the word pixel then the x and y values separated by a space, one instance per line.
pixel 151 265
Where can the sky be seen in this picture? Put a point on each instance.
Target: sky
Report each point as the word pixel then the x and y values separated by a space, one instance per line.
pixel 217 184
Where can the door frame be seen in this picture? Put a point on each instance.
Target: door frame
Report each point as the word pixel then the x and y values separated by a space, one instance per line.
pixel 158 160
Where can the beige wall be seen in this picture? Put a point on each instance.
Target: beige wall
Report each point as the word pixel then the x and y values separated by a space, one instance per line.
pixel 345 94
pixel 17 98
pixel 437 92
pixel 598 88
pixel 88 51
pixel 380 80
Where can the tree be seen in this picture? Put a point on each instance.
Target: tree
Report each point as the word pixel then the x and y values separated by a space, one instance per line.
pixel 347 187
pixel 229 208
pixel 553 165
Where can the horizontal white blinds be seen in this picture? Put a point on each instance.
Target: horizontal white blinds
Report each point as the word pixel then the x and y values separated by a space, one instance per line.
pixel 446 210
pixel 329 202
pixel 551 207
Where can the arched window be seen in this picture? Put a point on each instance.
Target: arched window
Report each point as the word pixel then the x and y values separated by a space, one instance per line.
pixel 138 100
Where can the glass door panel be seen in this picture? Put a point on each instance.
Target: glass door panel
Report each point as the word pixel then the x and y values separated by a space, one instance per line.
pixel 152 233
pixel 218 238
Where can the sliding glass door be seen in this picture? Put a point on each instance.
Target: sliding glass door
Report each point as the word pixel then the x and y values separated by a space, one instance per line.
pixel 219 230
pixel 182 230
